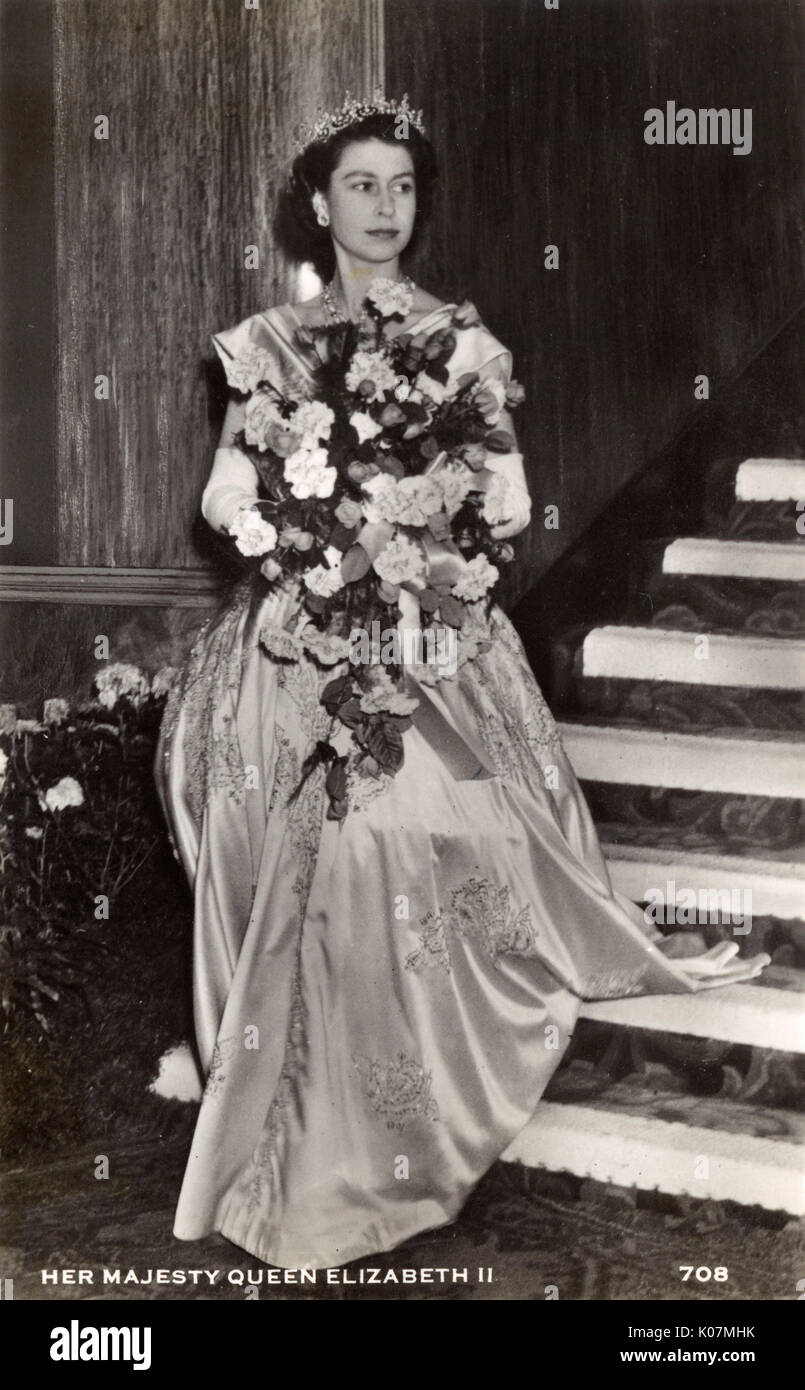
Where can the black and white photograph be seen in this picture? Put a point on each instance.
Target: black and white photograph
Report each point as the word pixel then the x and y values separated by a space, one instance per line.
pixel 402 554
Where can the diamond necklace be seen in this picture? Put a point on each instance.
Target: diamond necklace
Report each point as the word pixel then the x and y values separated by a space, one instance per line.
pixel 335 315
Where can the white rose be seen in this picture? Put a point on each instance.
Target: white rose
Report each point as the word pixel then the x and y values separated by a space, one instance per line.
pixel 260 417
pixel 251 533
pixel 323 581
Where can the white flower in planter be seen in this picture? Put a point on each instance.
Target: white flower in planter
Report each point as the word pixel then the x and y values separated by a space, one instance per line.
pixel 55 711
pixel 121 678
pixel 66 792
pixel 178 1077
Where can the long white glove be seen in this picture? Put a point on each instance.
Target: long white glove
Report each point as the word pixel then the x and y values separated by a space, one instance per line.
pixel 511 466
pixel 721 965
pixel 232 484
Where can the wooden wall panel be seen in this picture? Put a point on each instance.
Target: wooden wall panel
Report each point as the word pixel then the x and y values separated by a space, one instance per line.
pixel 202 98
pixel 674 260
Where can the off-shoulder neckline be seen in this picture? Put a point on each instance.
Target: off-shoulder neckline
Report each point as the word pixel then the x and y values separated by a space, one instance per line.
pixel 429 313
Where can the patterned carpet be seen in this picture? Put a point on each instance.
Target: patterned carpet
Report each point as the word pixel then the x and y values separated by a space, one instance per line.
pixel 543 1236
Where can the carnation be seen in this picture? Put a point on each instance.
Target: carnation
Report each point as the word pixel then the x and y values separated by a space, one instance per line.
pixel 382 504
pixel 399 560
pixel 374 367
pixel 120 678
pixel 280 643
pixel 417 499
pixel 390 296
pixel 250 367
pixel 308 473
pixel 251 533
pixel 476 580
pixel 326 648
pixel 364 426
pixel 384 697
pixel 498 500
pixel 313 420
pixel 66 792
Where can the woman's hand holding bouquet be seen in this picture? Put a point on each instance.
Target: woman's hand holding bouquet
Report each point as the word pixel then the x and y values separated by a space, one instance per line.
pixel 391 483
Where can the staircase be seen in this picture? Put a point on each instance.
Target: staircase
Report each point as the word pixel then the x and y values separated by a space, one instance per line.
pixel 685 723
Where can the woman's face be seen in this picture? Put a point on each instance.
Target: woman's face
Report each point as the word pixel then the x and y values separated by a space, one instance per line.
pixel 372 200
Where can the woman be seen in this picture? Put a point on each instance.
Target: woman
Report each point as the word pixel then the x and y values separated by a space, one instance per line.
pixel 380 1000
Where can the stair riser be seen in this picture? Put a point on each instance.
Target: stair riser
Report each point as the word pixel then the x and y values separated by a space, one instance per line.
pixel 672 1157
pixel 750 560
pixel 703 762
pixel 770 480
pixel 689 658
pixel 782 897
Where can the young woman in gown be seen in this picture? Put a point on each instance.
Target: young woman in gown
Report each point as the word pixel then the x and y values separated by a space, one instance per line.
pixel 379 1002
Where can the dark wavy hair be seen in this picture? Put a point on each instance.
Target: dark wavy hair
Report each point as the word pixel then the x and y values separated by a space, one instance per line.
pixel 297 230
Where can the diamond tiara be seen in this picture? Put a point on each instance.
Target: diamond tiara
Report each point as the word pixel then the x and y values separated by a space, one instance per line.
pixel 354 109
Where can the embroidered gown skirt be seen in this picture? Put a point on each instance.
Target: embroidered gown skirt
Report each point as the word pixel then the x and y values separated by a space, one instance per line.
pixel 379 1002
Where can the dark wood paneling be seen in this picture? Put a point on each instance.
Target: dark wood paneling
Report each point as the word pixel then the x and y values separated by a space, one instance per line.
pixel 675 260
pixel 27 474
pixel 202 98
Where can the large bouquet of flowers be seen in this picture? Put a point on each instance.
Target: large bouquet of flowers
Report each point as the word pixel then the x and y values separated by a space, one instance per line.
pixel 376 496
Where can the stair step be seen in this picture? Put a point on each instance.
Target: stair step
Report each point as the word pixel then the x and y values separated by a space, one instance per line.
pixel 780 560
pixel 764 764
pixel 644 1152
pixel 777 885
pixel 669 654
pixel 770 480
pixel 753 1014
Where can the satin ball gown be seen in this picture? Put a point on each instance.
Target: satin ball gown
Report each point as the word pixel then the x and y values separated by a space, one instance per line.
pixel 398 985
